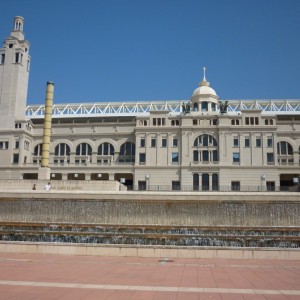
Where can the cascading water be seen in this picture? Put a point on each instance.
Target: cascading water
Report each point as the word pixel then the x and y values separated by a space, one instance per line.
pixel 165 222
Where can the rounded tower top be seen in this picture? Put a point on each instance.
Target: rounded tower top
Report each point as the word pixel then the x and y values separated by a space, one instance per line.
pixel 18 23
pixel 204 98
pixel 204 88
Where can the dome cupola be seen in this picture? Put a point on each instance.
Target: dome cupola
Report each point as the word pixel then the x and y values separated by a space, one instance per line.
pixel 204 98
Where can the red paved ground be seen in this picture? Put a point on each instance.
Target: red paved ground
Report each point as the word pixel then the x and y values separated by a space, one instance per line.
pixel 77 277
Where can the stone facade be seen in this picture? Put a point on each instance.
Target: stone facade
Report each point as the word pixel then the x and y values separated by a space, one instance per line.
pixel 203 145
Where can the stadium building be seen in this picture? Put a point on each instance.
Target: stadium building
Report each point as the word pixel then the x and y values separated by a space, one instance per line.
pixel 199 144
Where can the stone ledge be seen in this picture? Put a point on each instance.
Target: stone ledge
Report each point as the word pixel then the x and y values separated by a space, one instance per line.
pixel 149 251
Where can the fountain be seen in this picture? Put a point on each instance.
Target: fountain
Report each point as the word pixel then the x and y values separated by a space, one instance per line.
pixel 152 219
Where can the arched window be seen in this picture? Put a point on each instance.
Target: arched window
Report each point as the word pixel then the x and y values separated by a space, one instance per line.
pixel 205 149
pixel 38 150
pixel 106 149
pixel 62 150
pixel 285 153
pixel 204 106
pixel 84 149
pixel 127 152
pixel 61 154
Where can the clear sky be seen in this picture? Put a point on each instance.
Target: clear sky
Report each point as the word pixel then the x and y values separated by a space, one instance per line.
pixel 131 50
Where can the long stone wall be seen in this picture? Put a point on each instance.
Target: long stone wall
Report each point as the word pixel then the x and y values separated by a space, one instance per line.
pixel 184 209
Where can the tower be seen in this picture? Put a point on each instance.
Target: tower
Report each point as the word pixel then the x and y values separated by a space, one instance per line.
pixel 14 74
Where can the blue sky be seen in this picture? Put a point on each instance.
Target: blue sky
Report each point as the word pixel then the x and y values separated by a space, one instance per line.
pixel 133 50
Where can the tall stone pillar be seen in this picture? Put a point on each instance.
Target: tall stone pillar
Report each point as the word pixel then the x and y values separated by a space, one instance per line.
pixel 44 171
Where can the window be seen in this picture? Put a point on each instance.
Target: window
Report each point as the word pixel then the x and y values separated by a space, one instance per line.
pixel 175 185
pixel 195 122
pixel 235 142
pixel 175 123
pixel 159 121
pixel 206 147
pixel 204 106
pixel 2 59
pixel 247 142
pixel 258 142
pixel 205 155
pixel 285 152
pixel 196 155
pixel 84 149
pixel 17 57
pixel 142 158
pixel 270 158
pixel 175 142
pixel 270 141
pixel 236 157
pixel 15 158
pixel 164 142
pixel 235 122
pixel 235 185
pixel 175 158
pixel 106 149
pixel 62 150
pixel 213 107
pixel 142 142
pixel 38 150
pixel 153 142
pixel 17 144
pixel 127 153
pixel 3 145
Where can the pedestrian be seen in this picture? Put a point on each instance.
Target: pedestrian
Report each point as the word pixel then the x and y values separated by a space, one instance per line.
pixel 47 187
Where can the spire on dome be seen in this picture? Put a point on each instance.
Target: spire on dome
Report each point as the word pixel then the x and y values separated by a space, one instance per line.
pixel 204 82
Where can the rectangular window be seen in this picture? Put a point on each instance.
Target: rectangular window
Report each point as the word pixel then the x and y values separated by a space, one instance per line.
pixel 270 142
pixel 235 185
pixel 3 145
pixel 205 155
pixel 17 57
pixel 154 121
pixel 142 159
pixel 258 142
pixel 2 60
pixel 164 142
pixel 17 144
pixel 215 155
pixel 235 142
pixel 195 122
pixel 142 143
pixel 175 142
pixel 236 157
pixel 175 158
pixel 28 65
pixel 247 142
pixel 270 158
pixel 196 155
pixel 175 185
pixel 153 142
pixel 15 158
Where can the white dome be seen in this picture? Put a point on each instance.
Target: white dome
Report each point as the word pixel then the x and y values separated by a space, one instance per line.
pixel 204 90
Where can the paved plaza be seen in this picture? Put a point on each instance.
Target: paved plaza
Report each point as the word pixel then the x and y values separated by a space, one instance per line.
pixel 28 276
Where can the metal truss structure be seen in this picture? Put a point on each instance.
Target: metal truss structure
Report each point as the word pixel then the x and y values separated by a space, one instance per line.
pixel 270 107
